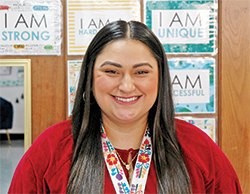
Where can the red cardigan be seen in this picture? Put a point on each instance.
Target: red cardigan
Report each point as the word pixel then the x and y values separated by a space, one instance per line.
pixel 45 167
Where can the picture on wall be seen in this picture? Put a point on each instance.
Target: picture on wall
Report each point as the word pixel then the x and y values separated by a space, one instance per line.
pixel 74 67
pixel 193 82
pixel 183 27
pixel 85 18
pixel 30 27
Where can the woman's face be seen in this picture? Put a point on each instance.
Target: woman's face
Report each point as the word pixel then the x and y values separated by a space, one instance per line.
pixel 125 83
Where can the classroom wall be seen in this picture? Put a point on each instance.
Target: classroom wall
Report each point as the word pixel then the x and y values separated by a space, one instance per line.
pixel 49 86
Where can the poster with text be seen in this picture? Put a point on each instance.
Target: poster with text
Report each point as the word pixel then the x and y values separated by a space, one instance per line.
pixel 183 27
pixel 73 77
pixel 193 82
pixel 85 18
pixel 205 124
pixel 30 27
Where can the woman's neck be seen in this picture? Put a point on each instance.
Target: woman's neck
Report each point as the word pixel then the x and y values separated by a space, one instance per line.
pixel 125 136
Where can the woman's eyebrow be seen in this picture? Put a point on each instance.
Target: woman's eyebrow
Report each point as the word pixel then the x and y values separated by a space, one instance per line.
pixel 120 66
pixel 111 63
pixel 142 64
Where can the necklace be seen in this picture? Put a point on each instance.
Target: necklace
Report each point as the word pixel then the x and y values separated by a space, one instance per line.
pixel 128 166
pixel 138 178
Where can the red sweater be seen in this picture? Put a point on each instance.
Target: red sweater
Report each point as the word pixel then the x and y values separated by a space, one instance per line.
pixel 45 167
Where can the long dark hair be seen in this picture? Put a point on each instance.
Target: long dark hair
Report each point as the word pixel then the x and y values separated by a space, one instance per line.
pixel 87 170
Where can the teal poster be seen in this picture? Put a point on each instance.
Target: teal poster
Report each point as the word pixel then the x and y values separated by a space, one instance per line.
pixel 193 83
pixel 183 27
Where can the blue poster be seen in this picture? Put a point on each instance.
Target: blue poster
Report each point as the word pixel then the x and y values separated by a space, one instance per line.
pixel 193 83
pixel 183 27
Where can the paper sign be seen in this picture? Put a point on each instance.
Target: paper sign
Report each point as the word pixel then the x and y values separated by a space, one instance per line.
pixel 183 26
pixel 193 82
pixel 86 18
pixel 190 86
pixel 30 27
pixel 73 77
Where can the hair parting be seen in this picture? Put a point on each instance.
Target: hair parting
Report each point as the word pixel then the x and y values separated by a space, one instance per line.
pixel 128 31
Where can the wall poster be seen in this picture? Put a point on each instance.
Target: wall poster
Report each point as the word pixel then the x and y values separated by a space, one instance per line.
pixel 85 18
pixel 73 72
pixel 205 124
pixel 30 27
pixel 183 27
pixel 193 81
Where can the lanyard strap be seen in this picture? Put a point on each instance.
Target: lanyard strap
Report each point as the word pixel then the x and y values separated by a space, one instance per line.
pixel 115 169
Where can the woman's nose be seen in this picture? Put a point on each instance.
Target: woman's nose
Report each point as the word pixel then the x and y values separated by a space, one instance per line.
pixel 127 84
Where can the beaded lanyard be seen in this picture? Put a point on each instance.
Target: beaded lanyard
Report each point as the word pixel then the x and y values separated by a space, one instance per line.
pixel 115 169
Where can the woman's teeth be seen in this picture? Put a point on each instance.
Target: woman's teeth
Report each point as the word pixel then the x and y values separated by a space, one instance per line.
pixel 127 99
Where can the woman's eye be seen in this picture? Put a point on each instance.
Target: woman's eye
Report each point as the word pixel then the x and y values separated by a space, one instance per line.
pixel 111 71
pixel 142 72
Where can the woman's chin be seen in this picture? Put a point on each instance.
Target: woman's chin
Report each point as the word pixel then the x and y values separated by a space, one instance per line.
pixel 126 117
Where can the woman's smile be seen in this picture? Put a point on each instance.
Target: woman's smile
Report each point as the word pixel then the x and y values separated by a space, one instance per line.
pixel 125 83
pixel 126 100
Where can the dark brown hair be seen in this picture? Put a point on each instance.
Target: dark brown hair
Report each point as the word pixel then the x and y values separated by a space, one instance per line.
pixel 87 170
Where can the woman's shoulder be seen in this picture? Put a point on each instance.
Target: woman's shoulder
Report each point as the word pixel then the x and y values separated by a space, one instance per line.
pixel 194 142
pixel 47 159
pixel 54 147
pixel 57 131
pixel 201 153
pixel 189 133
pixel 54 139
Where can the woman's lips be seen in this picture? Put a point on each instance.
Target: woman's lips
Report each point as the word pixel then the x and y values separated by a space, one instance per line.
pixel 126 100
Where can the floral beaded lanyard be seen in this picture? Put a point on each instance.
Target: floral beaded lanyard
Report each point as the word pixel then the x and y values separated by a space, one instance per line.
pixel 115 169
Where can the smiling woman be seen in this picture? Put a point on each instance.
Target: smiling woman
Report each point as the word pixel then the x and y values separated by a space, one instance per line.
pixel 123 137
pixel 125 84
